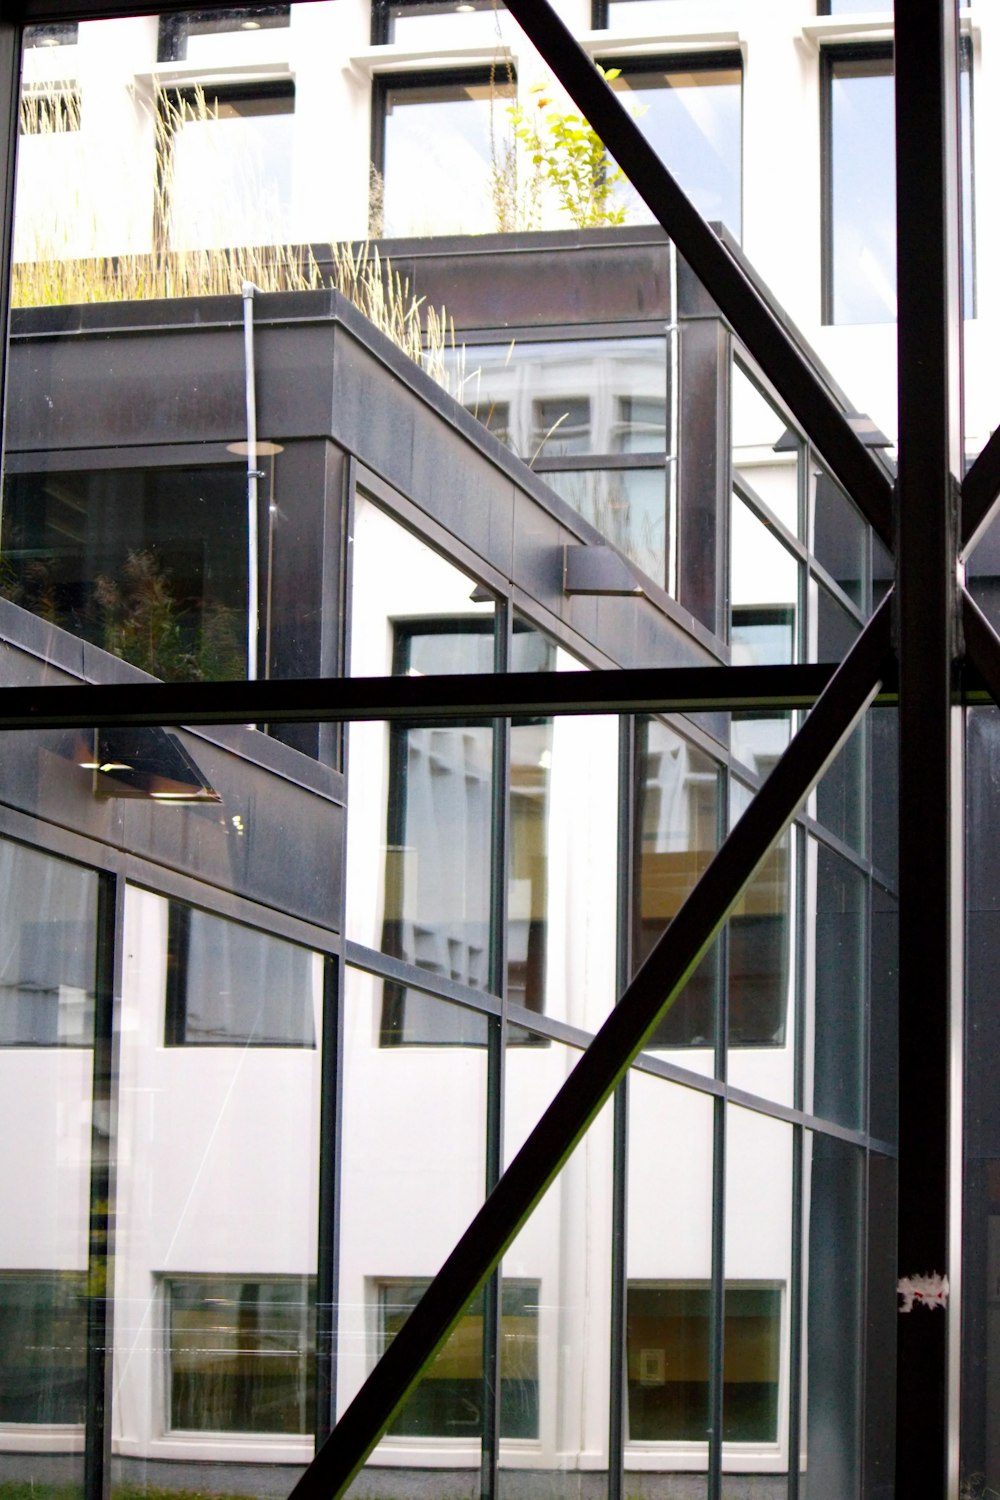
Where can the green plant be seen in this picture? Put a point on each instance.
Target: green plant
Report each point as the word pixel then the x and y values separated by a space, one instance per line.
pixel 566 152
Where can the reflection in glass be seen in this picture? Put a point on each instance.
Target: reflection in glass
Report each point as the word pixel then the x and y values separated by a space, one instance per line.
pixel 448 1401
pixel 241 1354
pixel 149 564
pixel 628 506
pixel 765 450
pixel 48 950
pixel 43 1345
pixel 840 538
pixel 692 116
pixel 760 970
pixel 426 23
pixel 677 817
pixel 764 585
pixel 531 742
pixel 838 988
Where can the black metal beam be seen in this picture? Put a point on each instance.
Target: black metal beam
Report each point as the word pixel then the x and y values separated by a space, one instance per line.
pixel 928 495
pixel 749 314
pixel 341 700
pixel 605 1062
pixel 981 493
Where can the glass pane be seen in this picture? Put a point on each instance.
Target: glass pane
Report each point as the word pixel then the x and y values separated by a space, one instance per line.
pixel 413 1175
pixel 677 832
pixel 862 172
pixel 840 538
pixel 762 943
pixel 48 979
pixel 692 115
pixel 216 1261
pixel 764 583
pixel 765 450
pixel 758 1261
pixel 429 24
pixel 554 1355
pixel 668 1333
pixel 834 1353
pixel 835 1029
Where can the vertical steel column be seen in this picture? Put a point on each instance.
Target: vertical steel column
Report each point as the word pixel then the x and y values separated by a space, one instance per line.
pixel 11 41
pixel 929 333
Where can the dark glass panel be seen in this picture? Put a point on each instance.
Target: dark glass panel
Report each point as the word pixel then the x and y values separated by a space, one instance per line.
pixel 43 1344
pixel 838 1030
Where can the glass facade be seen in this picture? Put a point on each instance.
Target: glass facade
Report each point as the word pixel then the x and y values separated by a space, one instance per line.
pixel 363 432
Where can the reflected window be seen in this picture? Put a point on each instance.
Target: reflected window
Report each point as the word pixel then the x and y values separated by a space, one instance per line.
pixel 234 986
pixel 690 109
pixel 424 23
pixel 593 417
pixel 668 1355
pixel 149 564
pixel 241 1354
pixel 227 165
pixel 52 34
pixel 859 177
pixel 176 30
pixel 48 950
pixel 438 840
pixel 448 1402
pixel 435 145
pixel 43 1347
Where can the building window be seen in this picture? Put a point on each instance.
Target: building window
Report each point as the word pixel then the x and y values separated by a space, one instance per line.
pixel 43 1347
pixel 175 30
pixel 859 185
pixel 48 950
pixel 448 1402
pixel 241 1354
pixel 226 157
pixel 149 564
pixel 435 141
pixel 594 417
pixel 690 109
pixel 668 1353
pixel 424 23
pixel 234 986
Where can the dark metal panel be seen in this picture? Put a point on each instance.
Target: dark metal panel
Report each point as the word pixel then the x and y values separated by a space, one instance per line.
pixel 736 295
pixel 566 1119
pixel 929 332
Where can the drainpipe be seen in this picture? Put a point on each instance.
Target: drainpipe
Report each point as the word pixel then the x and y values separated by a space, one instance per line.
pixel 253 474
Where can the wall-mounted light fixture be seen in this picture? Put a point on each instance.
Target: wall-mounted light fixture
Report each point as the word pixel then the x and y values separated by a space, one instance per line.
pixel 149 762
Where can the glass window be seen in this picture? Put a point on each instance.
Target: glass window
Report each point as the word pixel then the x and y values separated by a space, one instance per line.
pixel 149 564
pixel 227 157
pixel 176 30
pixel 859 190
pixel 229 985
pixel 427 23
pixel 690 109
pixel 241 1354
pixel 48 950
pixel 52 34
pixel 448 1402
pixel 43 1343
pixel 667 1351
pixel 435 147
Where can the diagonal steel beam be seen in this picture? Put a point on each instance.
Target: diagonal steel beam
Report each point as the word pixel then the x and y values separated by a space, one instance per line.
pixel 982 645
pixel 566 1119
pixel 981 493
pixel 738 299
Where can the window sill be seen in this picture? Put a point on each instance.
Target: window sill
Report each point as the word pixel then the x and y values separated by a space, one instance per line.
pixel 391 58
pixel 737 1458
pixel 829 30
pixel 165 75
pixel 254 1447
pixel 643 44
pixel 40 1437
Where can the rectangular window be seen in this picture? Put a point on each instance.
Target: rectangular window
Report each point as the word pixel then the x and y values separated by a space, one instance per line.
pixel 668 1354
pixel 435 140
pixel 149 564
pixel 233 986
pixel 48 950
pixel 43 1347
pixel 448 1402
pixel 52 34
pixel 594 417
pixel 226 155
pixel 425 23
pixel 175 30
pixel 242 1354
pixel 690 109
pixel 859 185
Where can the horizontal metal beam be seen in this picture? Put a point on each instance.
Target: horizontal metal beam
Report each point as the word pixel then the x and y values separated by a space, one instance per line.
pixel 981 493
pixel 739 301
pixel 342 700
pixel 594 1078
